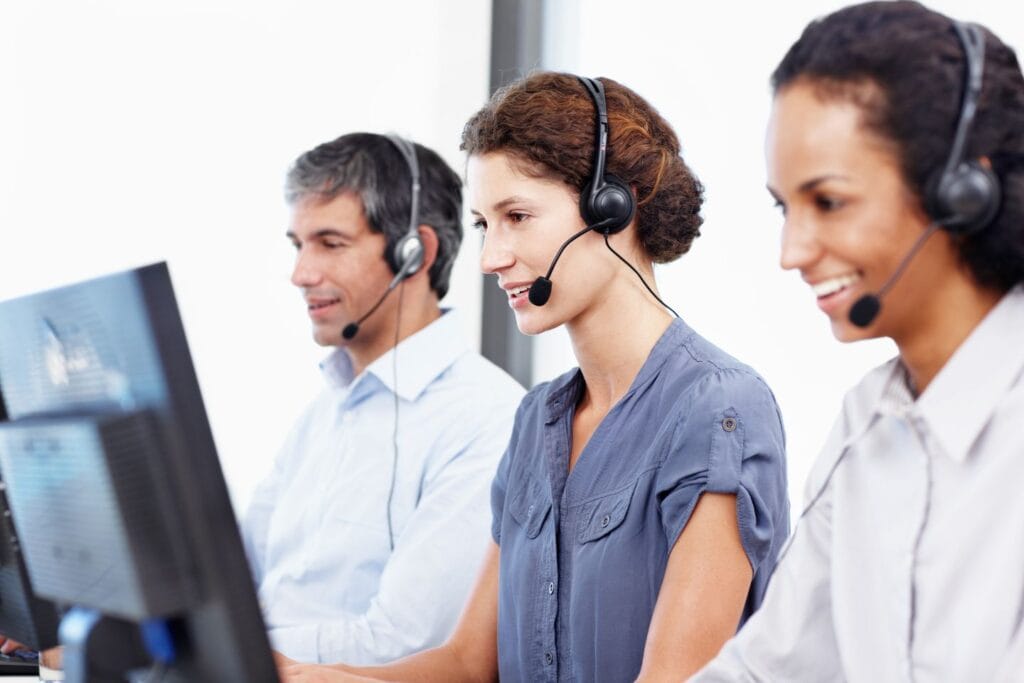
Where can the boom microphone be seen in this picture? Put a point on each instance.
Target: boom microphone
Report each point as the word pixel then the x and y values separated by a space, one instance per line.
pixel 866 309
pixel 540 290
pixel 410 267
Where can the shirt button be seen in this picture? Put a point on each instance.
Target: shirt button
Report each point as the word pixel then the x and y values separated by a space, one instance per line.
pixel 529 510
pixel 548 658
pixel 551 588
pixel 729 424
pixel 605 520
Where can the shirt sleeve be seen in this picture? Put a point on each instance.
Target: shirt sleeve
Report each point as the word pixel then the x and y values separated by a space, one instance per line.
pixel 435 561
pixel 256 521
pixel 729 439
pixel 792 636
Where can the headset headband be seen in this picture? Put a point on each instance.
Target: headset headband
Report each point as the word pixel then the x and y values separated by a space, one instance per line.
pixel 408 151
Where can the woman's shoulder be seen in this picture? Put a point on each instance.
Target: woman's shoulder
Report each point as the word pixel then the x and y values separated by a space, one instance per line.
pixel 699 367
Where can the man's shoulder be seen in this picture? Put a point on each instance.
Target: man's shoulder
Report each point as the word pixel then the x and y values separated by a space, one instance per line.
pixel 480 380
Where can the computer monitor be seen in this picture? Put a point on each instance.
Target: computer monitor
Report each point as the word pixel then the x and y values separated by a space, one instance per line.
pixel 115 485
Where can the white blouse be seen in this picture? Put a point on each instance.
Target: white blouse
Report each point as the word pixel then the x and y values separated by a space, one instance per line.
pixel 908 561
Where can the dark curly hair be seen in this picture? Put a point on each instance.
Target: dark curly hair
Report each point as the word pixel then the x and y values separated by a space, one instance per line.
pixel 912 57
pixel 545 122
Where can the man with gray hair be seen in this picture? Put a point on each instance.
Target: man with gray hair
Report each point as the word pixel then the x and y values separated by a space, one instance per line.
pixel 367 535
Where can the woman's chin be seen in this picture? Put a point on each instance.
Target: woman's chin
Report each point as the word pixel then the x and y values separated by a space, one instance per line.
pixel 846 332
pixel 534 323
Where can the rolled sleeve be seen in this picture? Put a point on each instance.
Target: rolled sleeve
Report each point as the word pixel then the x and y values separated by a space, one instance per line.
pixel 729 439
pixel 300 642
pixel 792 635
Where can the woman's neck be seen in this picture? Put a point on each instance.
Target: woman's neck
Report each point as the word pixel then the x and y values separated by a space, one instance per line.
pixel 934 335
pixel 612 341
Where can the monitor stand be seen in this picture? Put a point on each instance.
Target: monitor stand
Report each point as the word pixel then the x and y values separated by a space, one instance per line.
pixel 101 649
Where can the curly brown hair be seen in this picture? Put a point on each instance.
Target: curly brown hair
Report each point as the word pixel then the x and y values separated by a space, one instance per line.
pixel 545 123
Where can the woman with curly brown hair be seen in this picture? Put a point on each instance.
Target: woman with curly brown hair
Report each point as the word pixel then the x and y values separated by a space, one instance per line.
pixel 639 508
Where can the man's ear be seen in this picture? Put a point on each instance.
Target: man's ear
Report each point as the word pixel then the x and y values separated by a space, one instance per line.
pixel 430 245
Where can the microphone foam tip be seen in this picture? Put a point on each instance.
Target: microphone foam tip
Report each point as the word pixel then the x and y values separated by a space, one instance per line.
pixel 540 291
pixel 864 310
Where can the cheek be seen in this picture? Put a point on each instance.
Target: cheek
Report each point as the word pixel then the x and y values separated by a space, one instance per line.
pixel 869 241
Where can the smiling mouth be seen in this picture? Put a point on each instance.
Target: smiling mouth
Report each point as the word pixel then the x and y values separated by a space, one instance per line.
pixel 518 292
pixel 834 285
pixel 322 304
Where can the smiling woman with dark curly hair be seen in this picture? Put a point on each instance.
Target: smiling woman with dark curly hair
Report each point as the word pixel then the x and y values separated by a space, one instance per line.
pixel 896 152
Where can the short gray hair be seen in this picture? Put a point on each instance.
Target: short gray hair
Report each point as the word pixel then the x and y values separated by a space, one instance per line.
pixel 372 167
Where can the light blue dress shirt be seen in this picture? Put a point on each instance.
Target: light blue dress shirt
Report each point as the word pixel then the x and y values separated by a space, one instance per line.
pixel 330 586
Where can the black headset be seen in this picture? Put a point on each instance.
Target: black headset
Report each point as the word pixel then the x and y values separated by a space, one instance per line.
pixel 605 200
pixel 606 203
pixel 407 254
pixel 965 196
pixel 962 197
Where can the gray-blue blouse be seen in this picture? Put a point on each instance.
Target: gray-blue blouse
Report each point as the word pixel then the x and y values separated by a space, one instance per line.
pixel 583 553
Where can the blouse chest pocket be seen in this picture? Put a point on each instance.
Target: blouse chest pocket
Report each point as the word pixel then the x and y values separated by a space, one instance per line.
pixel 600 517
pixel 530 506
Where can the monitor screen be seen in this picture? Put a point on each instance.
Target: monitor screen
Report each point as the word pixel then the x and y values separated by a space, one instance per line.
pixel 113 478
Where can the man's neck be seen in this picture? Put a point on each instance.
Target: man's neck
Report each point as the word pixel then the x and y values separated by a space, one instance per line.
pixel 414 317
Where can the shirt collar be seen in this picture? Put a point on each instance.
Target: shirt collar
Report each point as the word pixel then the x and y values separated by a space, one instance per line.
pixel 422 357
pixel 961 399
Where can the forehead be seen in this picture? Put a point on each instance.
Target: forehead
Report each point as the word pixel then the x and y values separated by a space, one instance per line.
pixel 815 132
pixel 343 213
pixel 494 177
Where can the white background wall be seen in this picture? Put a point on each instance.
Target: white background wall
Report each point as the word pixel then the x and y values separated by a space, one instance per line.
pixel 134 132
pixel 706 67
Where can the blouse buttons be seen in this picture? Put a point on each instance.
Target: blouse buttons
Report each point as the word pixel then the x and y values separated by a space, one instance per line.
pixel 605 520
pixel 729 424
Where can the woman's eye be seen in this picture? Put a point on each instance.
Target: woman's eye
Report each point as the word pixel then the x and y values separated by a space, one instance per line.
pixel 333 245
pixel 826 203
pixel 479 224
pixel 780 206
pixel 518 216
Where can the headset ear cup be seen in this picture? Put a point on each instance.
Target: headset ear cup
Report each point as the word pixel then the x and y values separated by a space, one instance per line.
pixel 967 199
pixel 407 254
pixel 613 200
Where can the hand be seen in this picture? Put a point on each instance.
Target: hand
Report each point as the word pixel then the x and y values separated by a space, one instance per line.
pixel 9 645
pixel 52 658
